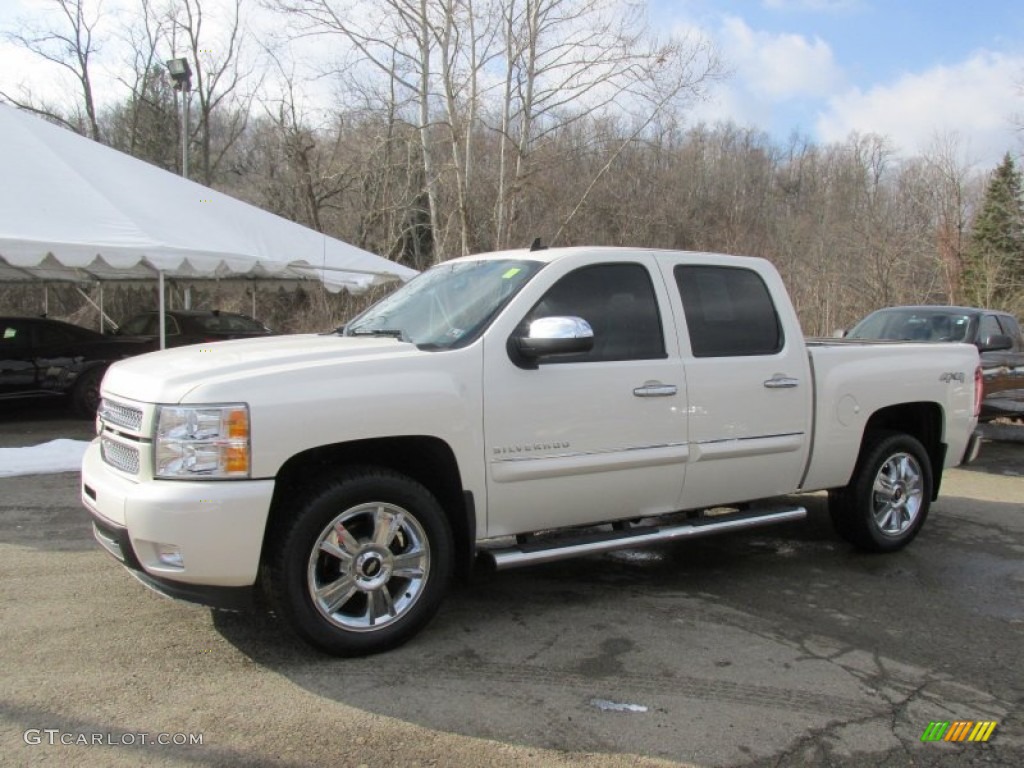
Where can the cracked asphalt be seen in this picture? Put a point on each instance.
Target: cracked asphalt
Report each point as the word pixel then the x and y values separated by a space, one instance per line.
pixel 778 647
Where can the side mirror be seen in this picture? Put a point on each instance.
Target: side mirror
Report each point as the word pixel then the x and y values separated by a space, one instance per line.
pixel 549 336
pixel 839 333
pixel 997 342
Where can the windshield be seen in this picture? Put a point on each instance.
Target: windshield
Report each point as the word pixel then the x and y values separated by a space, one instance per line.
pixel 447 306
pixel 913 325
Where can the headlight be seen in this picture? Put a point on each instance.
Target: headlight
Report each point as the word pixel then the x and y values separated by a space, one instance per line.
pixel 202 441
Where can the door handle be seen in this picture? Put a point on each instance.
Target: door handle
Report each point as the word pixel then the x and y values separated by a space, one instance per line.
pixel 781 381
pixel 655 389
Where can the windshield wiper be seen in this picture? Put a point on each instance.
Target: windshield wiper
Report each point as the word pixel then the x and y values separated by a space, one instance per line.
pixel 395 333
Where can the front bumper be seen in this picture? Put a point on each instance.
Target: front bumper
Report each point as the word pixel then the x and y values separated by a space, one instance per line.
pixel 216 526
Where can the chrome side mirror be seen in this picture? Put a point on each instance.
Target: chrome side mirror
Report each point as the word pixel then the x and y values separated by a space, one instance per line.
pixel 548 336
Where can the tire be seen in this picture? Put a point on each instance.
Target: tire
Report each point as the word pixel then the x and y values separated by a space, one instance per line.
pixel 889 495
pixel 85 397
pixel 361 563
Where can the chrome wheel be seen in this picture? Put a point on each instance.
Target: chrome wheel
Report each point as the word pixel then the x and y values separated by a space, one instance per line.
pixel 897 494
pixel 368 567
pixel 886 502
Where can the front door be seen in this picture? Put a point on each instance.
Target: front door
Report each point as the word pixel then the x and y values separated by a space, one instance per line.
pixel 592 437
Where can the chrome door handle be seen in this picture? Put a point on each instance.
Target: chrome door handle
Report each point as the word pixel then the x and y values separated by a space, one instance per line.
pixel 779 381
pixel 655 389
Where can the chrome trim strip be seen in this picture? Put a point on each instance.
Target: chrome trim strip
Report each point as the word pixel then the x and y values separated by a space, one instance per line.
pixel 580 454
pixel 535 467
pixel 739 447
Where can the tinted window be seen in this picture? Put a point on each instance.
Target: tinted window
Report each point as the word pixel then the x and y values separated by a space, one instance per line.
pixel 1012 329
pixel 54 335
pixel 137 326
pixel 619 303
pixel 989 327
pixel 229 323
pixel 729 312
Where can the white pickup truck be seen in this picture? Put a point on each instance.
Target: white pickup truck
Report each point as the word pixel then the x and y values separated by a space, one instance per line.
pixel 516 408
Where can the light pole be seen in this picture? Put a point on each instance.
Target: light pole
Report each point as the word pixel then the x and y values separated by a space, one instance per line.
pixel 181 74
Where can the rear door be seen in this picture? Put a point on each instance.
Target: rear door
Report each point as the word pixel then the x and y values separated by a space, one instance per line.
pixel 749 384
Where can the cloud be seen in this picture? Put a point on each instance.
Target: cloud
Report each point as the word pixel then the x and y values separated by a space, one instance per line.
pixel 974 100
pixel 768 72
pixel 779 66
pixel 811 5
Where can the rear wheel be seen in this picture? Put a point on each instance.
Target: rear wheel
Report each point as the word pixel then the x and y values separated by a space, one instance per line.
pixel 363 562
pixel 888 498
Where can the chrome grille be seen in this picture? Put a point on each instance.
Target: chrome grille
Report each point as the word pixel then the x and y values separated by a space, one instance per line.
pixel 121 415
pixel 120 456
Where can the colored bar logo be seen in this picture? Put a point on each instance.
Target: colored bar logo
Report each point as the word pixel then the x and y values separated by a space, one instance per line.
pixel 959 730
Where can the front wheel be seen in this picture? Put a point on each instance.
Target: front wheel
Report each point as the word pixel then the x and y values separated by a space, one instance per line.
pixel 361 563
pixel 86 394
pixel 887 500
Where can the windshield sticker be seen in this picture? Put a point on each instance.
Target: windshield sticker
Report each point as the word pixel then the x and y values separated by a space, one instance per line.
pixel 511 273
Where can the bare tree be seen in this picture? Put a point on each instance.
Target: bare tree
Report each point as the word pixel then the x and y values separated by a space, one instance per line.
pixel 68 42
pixel 225 81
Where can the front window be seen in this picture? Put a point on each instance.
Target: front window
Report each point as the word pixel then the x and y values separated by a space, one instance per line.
pixel 447 306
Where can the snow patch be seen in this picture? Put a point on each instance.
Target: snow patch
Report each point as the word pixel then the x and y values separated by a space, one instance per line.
pixel 61 455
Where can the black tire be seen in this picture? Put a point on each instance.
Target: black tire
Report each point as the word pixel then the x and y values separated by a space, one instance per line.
pixel 360 563
pixel 85 397
pixel 889 495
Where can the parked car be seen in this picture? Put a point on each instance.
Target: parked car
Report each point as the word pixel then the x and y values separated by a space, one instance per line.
pixel 997 336
pixel 50 359
pixel 194 326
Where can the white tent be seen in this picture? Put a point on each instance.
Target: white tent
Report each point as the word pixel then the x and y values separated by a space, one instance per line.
pixel 73 209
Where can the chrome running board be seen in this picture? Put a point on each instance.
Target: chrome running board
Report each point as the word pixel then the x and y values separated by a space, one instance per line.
pixel 536 551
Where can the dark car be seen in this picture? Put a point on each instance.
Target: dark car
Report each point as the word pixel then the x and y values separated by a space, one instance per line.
pixel 194 326
pixel 50 359
pixel 996 334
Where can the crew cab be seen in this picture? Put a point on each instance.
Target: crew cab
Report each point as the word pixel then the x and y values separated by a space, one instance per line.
pixel 996 334
pixel 510 408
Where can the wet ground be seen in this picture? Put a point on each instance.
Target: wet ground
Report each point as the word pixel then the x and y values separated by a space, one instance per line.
pixel 775 647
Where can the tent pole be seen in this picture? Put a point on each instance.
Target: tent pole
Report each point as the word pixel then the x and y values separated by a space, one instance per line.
pixel 97 307
pixel 163 310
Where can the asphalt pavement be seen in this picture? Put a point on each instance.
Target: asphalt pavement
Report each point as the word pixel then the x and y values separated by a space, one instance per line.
pixel 775 647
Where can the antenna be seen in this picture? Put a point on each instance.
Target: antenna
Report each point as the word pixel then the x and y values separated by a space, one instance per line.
pixel 536 246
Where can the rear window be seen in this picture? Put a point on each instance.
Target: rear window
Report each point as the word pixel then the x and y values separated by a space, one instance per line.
pixel 729 312
pixel 233 323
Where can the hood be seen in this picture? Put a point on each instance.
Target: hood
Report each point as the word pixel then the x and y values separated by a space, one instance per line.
pixel 169 375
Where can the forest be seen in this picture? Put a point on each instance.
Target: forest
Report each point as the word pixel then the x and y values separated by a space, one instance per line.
pixel 460 126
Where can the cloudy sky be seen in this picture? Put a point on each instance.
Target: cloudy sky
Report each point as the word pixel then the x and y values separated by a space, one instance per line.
pixel 915 71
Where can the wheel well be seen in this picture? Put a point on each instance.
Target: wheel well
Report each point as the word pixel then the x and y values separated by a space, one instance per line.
pixel 427 460
pixel 920 420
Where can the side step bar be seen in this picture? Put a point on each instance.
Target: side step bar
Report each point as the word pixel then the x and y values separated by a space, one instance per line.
pixel 536 552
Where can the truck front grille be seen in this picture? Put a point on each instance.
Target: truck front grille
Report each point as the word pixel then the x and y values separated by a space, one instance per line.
pixel 124 416
pixel 120 456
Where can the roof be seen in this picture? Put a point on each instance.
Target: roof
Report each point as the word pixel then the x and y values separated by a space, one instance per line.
pixel 72 209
